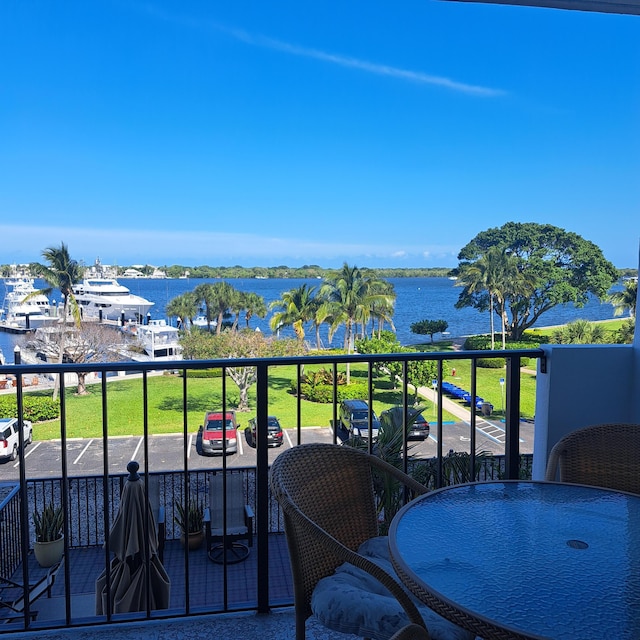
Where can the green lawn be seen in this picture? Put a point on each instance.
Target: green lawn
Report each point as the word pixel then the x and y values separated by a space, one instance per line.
pixel 165 413
pixel 611 327
pixel 488 385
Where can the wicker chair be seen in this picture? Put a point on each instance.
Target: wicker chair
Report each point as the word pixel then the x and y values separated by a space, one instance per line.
pixel 327 498
pixel 603 455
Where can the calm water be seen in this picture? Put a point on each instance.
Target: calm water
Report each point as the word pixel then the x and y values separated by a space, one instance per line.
pixel 418 298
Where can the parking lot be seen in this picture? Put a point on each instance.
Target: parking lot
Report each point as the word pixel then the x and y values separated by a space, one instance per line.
pixel 166 452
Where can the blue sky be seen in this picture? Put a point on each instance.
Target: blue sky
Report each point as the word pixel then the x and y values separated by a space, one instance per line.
pixel 265 133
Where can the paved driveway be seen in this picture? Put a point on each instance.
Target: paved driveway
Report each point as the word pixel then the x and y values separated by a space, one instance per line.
pixel 167 452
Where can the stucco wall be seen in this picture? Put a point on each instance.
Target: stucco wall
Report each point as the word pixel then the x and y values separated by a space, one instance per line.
pixel 584 385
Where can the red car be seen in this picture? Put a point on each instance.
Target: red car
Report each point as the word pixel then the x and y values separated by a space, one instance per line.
pixel 212 433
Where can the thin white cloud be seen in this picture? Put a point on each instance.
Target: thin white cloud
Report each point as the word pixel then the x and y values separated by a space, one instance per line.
pixel 417 77
pixel 379 69
pixel 126 246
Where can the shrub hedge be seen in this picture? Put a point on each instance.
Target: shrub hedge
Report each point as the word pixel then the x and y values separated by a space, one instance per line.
pixel 36 408
pixel 491 363
pixel 324 392
pixel 203 373
pixel 481 343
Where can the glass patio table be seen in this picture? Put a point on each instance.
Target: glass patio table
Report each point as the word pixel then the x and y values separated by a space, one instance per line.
pixel 524 559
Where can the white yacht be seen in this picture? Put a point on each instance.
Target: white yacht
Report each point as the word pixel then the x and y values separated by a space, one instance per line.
pixel 107 298
pixel 159 340
pixel 21 308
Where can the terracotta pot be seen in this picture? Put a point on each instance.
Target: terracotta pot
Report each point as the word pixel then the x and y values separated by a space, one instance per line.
pixel 194 540
pixel 48 553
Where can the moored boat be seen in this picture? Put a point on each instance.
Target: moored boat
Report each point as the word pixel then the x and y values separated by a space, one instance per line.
pixel 23 306
pixel 106 298
pixel 159 340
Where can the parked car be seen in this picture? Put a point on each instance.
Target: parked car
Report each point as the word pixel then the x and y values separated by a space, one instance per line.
pixel 418 425
pixel 211 432
pixel 10 437
pixel 274 431
pixel 419 430
pixel 354 417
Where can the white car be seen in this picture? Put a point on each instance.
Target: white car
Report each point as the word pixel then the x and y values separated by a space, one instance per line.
pixel 10 437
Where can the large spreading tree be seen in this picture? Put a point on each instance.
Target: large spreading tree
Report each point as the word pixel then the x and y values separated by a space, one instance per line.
pixel 87 343
pixel 245 343
pixel 554 267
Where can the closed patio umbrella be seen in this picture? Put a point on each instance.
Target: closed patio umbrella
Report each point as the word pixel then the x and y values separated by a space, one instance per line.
pixel 132 545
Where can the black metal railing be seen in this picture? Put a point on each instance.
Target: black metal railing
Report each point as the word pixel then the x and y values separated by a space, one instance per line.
pixel 90 503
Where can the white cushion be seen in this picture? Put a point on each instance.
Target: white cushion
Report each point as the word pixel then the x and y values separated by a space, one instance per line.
pixel 353 601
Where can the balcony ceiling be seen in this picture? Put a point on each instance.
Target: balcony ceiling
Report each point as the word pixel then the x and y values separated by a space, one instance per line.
pixel 630 7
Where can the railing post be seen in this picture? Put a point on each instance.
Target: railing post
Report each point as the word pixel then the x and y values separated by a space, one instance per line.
pixel 512 415
pixel 262 486
pixel 24 496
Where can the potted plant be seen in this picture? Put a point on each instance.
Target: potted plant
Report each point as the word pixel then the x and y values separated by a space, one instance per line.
pixel 190 522
pixel 49 526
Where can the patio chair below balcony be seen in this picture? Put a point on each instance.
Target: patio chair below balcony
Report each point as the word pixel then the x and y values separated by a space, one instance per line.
pixel 224 544
pixel 15 609
pixel 603 455
pixel 157 507
pixel 341 567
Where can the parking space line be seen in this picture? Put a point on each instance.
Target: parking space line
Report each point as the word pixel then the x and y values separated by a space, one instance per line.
pixel 286 433
pixel 135 453
pixel 26 455
pixel 189 447
pixel 239 441
pixel 82 452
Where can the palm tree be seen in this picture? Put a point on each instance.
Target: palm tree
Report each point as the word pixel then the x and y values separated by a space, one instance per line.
pixel 236 305
pixel 217 298
pixel 184 306
pixel 475 278
pixel 579 332
pixel 60 272
pixel 350 295
pixel 254 305
pixel 318 317
pixel 382 310
pixel 508 281
pixel 625 299
pixel 296 307
pixel 497 273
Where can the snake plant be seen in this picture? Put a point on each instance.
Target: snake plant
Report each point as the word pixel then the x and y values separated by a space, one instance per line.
pixel 49 523
pixel 191 520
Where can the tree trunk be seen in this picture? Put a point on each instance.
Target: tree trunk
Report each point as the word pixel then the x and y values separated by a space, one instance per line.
pixel 493 340
pixel 60 376
pixel 347 338
pixel 82 386
pixel 243 405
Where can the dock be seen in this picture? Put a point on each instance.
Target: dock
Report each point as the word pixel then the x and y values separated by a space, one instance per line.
pixel 12 328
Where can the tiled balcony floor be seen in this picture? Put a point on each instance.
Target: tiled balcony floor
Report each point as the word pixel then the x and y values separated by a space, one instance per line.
pixel 206 584
pixel 279 625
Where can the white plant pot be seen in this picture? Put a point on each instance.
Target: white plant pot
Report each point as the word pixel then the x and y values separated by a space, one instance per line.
pixel 48 553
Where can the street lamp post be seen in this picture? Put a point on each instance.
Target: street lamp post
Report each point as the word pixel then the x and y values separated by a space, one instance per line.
pixel 502 395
